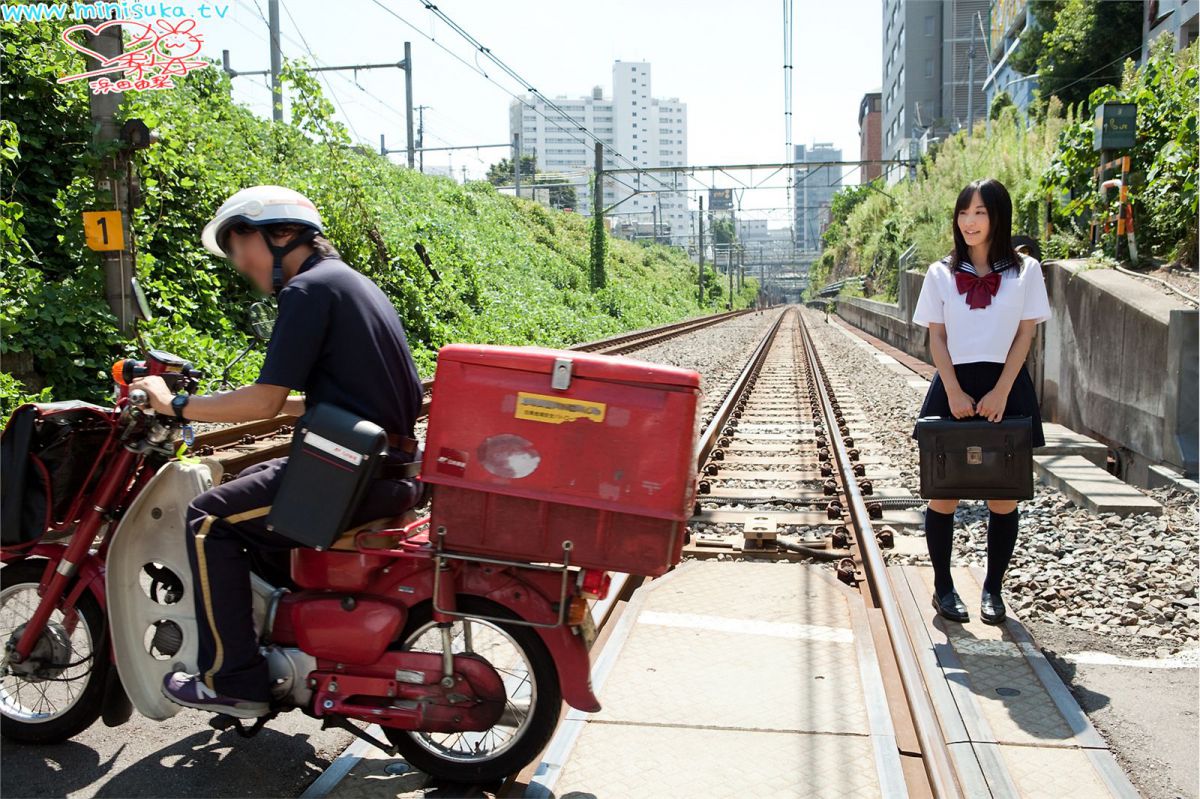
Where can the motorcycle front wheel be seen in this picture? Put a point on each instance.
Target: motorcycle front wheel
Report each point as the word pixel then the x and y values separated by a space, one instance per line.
pixel 56 693
pixel 531 708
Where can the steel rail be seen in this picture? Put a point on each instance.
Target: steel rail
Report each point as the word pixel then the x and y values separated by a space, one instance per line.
pixel 708 439
pixel 935 754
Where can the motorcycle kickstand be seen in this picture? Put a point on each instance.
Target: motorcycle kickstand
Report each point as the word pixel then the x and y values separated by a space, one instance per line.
pixel 223 722
pixel 348 726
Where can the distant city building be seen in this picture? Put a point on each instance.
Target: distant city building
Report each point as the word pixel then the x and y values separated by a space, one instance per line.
pixel 1010 18
pixel 646 130
pixel 870 143
pixel 929 86
pixel 1179 18
pixel 752 230
pixel 812 191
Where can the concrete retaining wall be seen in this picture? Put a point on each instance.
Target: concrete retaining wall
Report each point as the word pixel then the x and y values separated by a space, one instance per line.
pixel 1117 360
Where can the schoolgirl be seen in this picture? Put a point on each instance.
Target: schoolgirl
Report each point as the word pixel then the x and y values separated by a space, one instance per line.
pixel 980 303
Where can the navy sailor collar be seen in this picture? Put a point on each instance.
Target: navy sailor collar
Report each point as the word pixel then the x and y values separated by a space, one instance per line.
pixel 1003 265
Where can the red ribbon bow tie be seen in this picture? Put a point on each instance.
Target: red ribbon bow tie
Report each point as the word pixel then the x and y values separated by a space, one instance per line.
pixel 979 290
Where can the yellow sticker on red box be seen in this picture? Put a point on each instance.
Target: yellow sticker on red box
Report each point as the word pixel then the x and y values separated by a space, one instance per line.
pixel 556 410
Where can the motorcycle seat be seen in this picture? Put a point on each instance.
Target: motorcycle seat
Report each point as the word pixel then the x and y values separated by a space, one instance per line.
pixel 346 540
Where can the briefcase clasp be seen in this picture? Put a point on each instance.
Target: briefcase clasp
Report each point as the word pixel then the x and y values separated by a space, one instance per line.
pixel 974 456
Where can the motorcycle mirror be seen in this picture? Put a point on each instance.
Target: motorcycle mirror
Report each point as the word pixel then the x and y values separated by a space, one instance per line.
pixel 139 299
pixel 262 320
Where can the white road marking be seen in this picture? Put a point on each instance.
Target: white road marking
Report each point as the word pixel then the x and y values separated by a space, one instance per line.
pixel 1184 660
pixel 776 629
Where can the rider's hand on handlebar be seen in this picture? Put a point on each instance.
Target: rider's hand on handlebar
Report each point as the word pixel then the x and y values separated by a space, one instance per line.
pixel 156 389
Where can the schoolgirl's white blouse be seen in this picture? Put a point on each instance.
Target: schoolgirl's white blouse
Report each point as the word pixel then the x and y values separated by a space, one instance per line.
pixel 982 334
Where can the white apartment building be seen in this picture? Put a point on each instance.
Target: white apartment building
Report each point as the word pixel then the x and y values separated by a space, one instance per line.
pixel 645 130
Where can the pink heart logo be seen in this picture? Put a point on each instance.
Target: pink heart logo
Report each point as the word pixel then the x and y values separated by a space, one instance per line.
pixel 95 30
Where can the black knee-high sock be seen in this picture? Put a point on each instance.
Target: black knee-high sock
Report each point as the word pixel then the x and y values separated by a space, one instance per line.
pixel 1001 541
pixel 939 537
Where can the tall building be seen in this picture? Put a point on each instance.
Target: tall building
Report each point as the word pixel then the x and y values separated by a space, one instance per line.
pixel 1179 18
pixel 870 145
pixel 1009 19
pixel 648 131
pixel 931 83
pixel 812 192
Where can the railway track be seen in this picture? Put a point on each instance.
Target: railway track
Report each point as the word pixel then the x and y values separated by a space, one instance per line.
pixel 240 446
pixel 781 477
pixel 781 459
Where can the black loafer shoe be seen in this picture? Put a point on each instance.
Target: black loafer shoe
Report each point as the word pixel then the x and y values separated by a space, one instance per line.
pixel 991 608
pixel 951 607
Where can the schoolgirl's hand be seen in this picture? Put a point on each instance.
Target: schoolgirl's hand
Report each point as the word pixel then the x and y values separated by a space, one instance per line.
pixel 992 405
pixel 961 404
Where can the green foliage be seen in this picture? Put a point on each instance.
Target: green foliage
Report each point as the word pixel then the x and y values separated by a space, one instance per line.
pixel 501 172
pixel 598 272
pixel 870 230
pixel 510 271
pixel 1163 158
pixel 723 231
pixel 1025 58
pixel 1083 47
pixel 999 103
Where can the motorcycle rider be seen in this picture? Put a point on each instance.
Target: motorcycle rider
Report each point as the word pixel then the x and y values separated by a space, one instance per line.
pixel 339 340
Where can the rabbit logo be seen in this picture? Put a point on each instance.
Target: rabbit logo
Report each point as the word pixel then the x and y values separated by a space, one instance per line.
pixel 154 55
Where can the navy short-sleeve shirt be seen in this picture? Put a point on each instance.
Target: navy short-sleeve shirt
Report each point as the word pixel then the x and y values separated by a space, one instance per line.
pixel 338 339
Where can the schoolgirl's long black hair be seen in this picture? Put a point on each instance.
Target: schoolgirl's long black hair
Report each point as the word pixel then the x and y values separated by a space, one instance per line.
pixel 1001 254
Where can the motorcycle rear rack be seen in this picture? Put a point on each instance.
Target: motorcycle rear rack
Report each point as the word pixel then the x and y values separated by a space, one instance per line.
pixel 440 556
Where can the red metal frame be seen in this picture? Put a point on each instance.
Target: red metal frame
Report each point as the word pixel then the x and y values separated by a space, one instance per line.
pixel 74 556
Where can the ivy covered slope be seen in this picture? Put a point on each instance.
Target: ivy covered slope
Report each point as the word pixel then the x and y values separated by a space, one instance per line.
pixel 504 270
pixel 1047 157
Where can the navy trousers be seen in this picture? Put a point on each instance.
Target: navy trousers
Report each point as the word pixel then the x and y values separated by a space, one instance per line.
pixel 227 536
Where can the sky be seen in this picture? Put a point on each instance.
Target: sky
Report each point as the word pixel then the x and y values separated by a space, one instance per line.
pixel 724 59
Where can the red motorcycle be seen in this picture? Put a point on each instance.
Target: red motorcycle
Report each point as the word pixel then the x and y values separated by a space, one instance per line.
pixel 462 654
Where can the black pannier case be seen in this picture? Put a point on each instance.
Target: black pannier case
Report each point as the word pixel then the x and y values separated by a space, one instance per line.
pixel 333 459
pixel 974 458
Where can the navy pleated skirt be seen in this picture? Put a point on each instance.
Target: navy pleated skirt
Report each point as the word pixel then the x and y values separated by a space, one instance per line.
pixel 977 379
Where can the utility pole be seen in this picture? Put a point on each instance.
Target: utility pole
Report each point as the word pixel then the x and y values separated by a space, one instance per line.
pixel 517 163
pixel 420 134
pixel 654 218
pixel 408 101
pixel 111 235
pixel 701 272
pixel 729 266
pixel 276 62
pixel 971 83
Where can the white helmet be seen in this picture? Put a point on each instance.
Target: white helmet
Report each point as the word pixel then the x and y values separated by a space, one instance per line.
pixel 258 206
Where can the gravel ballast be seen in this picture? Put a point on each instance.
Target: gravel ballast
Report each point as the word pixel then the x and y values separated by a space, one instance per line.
pixel 1131 580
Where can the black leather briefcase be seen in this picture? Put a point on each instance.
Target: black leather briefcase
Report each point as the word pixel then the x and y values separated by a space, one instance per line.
pixel 973 458
pixel 333 459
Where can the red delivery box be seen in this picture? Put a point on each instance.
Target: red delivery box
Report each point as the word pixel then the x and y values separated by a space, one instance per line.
pixel 530 447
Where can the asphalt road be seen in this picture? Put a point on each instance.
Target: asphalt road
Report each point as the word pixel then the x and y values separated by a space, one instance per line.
pixel 181 757
pixel 1147 713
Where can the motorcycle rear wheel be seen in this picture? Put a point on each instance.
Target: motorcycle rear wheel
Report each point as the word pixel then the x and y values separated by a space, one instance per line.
pixel 533 705
pixel 56 694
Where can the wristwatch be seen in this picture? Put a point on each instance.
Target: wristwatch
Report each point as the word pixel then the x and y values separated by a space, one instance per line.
pixel 179 402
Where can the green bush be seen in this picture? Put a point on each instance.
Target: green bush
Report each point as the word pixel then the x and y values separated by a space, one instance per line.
pixel 1163 158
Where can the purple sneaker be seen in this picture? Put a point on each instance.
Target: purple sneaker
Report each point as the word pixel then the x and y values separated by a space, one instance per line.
pixel 189 690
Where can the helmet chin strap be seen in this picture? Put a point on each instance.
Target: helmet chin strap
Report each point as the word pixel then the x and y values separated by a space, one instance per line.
pixel 278 253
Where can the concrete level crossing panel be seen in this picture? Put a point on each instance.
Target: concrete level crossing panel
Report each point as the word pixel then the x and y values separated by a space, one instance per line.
pixel 732 680
pixel 1013 727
